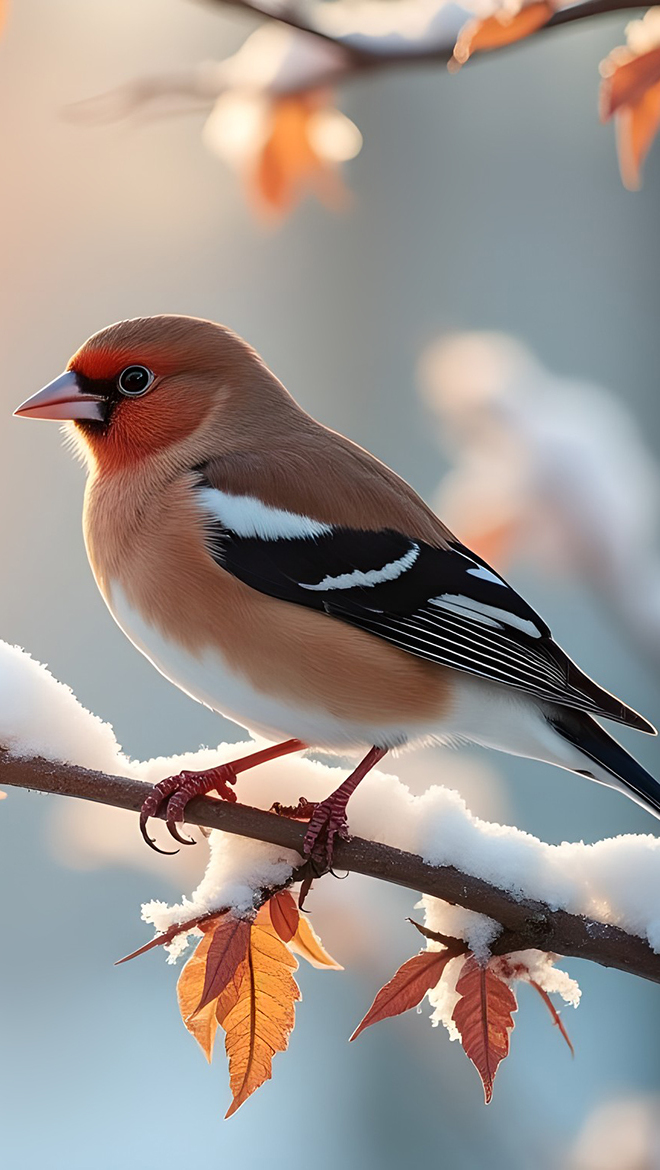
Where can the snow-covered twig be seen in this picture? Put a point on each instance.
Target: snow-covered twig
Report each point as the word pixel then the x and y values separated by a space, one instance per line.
pixel 526 923
pixel 365 56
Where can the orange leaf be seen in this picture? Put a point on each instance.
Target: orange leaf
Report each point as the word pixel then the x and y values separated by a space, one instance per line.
pixel 289 162
pixel 636 128
pixel 307 943
pixel 556 1018
pixel 283 915
pixel 631 92
pixel 231 992
pixel 202 1024
pixel 500 29
pixel 259 1023
pixel 484 1018
pixel 240 977
pixel 407 987
pixel 626 79
pixel 287 159
pixel 226 952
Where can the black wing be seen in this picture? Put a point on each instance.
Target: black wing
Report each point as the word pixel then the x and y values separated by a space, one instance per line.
pixel 444 605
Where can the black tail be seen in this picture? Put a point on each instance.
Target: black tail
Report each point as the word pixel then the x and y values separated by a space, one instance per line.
pixel 607 704
pixel 614 766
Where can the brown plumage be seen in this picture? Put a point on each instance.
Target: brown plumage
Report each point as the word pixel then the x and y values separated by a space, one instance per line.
pixel 217 401
pixel 284 576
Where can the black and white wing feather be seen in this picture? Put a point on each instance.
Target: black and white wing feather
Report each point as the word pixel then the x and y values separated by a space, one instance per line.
pixel 445 605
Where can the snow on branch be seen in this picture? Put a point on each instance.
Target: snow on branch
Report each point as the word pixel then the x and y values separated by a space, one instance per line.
pixel 271 107
pixel 499 888
pixel 368 51
pixel 499 905
pixel 527 922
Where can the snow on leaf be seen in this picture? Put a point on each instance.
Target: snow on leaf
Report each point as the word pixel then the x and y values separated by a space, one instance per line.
pixel 556 1018
pixel 501 28
pixel 407 987
pixel 260 1022
pixel 226 952
pixel 201 1024
pixel 284 915
pixel 484 1018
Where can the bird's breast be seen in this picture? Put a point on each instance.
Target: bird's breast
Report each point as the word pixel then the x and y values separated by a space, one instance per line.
pixel 276 668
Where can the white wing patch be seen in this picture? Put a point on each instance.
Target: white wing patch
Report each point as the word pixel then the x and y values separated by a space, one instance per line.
pixel 488 615
pixel 480 570
pixel 369 578
pixel 486 575
pixel 249 517
pixel 465 607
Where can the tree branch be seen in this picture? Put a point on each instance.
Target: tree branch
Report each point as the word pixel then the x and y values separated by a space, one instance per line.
pixel 287 15
pixel 411 52
pixel 526 923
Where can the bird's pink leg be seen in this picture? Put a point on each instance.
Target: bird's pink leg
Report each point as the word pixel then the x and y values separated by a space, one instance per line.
pixel 329 819
pixel 178 790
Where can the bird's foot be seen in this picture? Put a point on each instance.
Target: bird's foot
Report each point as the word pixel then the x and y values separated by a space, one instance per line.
pixel 328 822
pixel 176 791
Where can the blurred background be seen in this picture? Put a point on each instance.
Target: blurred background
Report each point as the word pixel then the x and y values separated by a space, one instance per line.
pixel 482 315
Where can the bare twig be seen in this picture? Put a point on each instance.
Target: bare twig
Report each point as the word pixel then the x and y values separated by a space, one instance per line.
pixel 526 923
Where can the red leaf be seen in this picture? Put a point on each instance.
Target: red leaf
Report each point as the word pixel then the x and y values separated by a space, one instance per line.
pixel 204 922
pixel 484 1018
pixel 407 987
pixel 227 951
pixel 447 940
pixel 556 1018
pixel 283 915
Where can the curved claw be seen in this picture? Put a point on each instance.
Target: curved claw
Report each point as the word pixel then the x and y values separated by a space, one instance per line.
pixel 174 832
pixel 177 791
pixel 151 842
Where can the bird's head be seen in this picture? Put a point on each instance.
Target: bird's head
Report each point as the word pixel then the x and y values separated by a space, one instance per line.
pixel 155 385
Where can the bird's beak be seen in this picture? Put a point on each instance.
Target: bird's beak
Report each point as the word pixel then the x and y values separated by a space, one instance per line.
pixel 64 398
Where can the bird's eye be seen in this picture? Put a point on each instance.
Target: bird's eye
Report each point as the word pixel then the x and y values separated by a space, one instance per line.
pixel 134 380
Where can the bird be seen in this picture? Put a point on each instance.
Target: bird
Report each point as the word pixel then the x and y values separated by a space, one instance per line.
pixel 283 576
